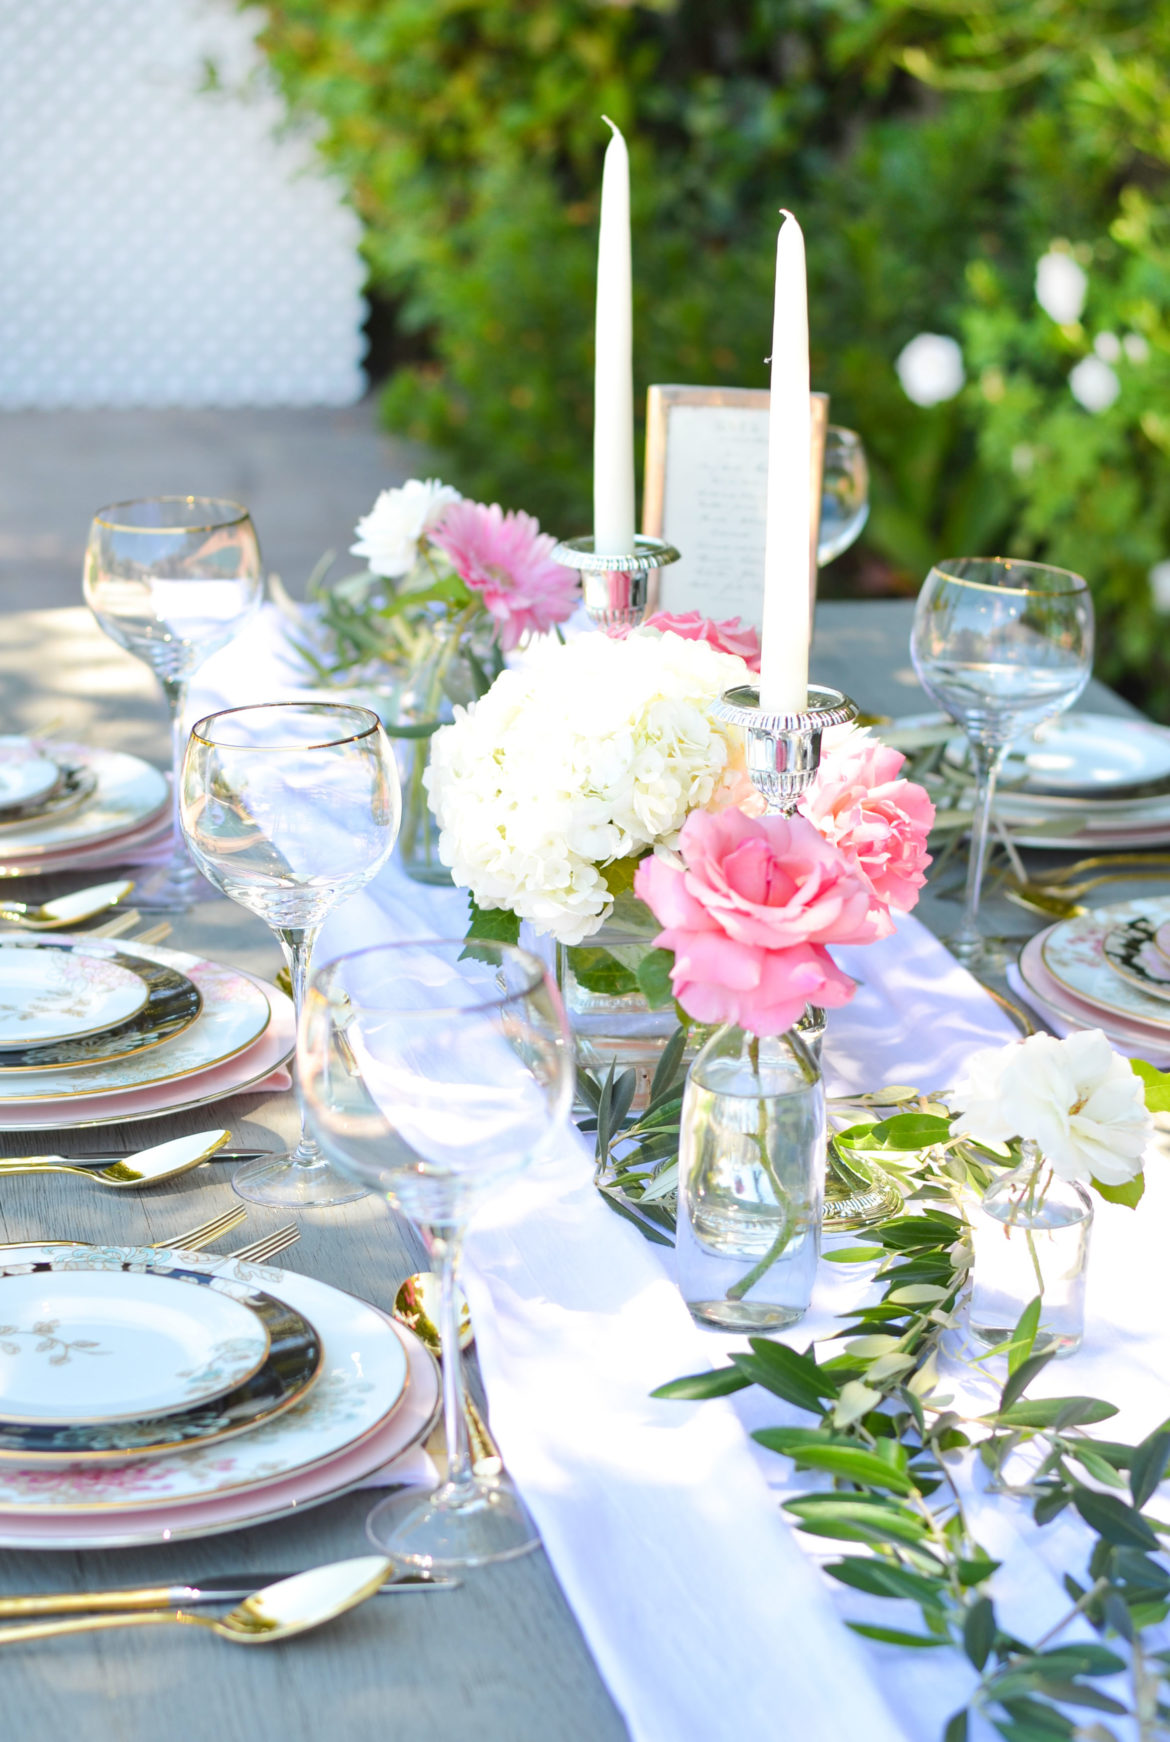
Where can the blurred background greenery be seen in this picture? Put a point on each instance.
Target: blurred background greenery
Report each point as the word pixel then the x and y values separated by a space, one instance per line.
pixel 934 152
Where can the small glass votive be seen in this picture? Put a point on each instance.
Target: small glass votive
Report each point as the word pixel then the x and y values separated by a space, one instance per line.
pixel 1031 1242
pixel 750 1181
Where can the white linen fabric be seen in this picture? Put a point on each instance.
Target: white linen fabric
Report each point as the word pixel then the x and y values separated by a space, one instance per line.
pixel 706 1619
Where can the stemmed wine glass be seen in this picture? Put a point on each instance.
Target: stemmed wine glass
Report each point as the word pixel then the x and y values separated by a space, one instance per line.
pixel 1000 645
pixel 435 1071
pixel 844 493
pixel 172 579
pixel 290 808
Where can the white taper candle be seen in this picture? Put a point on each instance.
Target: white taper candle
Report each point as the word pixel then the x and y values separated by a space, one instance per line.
pixel 786 618
pixel 613 382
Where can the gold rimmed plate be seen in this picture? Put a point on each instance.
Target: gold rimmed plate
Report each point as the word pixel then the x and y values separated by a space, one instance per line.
pixel 75 787
pixel 67 993
pixel 1074 954
pixel 172 1005
pixel 1131 951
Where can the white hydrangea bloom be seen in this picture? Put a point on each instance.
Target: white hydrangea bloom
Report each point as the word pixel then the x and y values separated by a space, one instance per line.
pixel 1061 286
pixel 1076 1098
pixel 388 536
pixel 587 753
pixel 1094 384
pixel 930 368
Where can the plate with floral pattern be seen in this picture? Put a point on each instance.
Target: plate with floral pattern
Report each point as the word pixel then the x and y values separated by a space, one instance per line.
pixel 1131 951
pixel 364 1372
pixel 62 993
pixel 82 1343
pixel 1074 954
pixel 26 775
pixel 127 793
pixel 172 1004
pixel 292 1364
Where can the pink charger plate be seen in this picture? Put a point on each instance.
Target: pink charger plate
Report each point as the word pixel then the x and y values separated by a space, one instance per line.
pixel 404 1428
pixel 247 1069
pixel 1077 1009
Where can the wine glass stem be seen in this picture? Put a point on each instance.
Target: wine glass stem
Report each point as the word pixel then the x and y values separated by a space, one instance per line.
pixel 444 1243
pixel 175 690
pixel 967 942
pixel 297 943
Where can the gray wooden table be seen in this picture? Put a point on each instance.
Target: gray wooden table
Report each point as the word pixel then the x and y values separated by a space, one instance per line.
pixel 501 1659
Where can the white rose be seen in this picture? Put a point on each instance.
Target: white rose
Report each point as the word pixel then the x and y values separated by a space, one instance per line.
pixel 388 536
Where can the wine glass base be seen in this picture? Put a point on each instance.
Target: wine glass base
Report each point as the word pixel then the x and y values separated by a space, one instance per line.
pixel 170 889
pixel 990 955
pixel 453 1527
pixel 290 1185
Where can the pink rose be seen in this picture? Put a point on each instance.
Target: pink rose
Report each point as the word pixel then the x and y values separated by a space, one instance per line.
pixel 880 822
pixel 730 636
pixel 748 916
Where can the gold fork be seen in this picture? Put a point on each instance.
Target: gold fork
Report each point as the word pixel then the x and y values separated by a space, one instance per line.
pixel 192 1241
pixel 270 1245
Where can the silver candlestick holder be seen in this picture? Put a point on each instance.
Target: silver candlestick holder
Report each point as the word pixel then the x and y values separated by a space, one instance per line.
pixel 616 589
pixel 783 755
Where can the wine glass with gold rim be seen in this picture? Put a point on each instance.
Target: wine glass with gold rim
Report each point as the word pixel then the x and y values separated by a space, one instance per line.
pixel 290 808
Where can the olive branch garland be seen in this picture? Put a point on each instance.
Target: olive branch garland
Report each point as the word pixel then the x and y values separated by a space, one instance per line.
pixel 887 1441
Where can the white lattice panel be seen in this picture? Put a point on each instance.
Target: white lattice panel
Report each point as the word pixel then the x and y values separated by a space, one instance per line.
pixel 158 244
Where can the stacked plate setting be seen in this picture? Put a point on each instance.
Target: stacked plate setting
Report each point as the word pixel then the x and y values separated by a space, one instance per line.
pixel 94 1030
pixel 1108 969
pixel 150 1395
pixel 68 807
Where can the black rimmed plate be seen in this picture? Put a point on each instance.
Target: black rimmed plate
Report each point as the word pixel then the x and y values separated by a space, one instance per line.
pixel 295 1358
pixel 173 1003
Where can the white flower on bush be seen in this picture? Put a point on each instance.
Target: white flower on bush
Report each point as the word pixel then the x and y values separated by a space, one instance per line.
pixel 587 753
pixel 930 368
pixel 1137 347
pixel 1061 286
pixel 1108 347
pixel 1159 578
pixel 388 536
pixel 1094 384
pixel 1077 1099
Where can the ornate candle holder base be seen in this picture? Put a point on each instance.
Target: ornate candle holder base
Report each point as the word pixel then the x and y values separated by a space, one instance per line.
pixel 616 589
pixel 783 754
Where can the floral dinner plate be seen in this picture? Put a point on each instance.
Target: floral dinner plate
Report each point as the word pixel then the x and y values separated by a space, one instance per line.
pixel 1131 952
pixel 1074 954
pixel 173 1002
pixel 25 774
pixel 54 993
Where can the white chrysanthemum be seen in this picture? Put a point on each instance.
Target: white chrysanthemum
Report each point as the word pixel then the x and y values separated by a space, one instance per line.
pixel 1061 286
pixel 388 536
pixel 930 368
pixel 1076 1098
pixel 588 753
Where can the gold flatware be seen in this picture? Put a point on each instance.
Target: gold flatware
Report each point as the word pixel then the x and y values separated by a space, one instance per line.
pixel 270 1245
pixel 147 1167
pixel 192 1241
pixel 274 1612
pixel 65 910
pixel 416 1305
pixel 1101 862
pixel 223 1588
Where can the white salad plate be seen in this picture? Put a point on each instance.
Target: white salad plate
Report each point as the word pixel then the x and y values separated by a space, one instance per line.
pixel 1079 757
pixel 235 1013
pixel 129 793
pixel 80 1343
pixel 57 992
pixel 25 774
pixel 365 1374
pixel 1074 953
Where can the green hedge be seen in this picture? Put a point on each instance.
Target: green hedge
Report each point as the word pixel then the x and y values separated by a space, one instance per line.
pixel 933 153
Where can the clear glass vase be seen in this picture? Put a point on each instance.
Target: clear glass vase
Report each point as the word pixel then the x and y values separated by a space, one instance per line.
pixel 427 701
pixel 1031 1237
pixel 750 1181
pixel 616 1027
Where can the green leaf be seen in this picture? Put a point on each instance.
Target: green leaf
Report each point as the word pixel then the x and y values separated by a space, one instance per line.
pixel 423 729
pixel 979 1631
pixel 853 1255
pixel 883 1579
pixel 956 1727
pixel 595 970
pixel 619 874
pixel 853 1466
pixel 628 1215
pixel 1148 1466
pixel 1080 1659
pixel 895 1636
pixel 1156 1084
pixel 1113 1519
pixel 653 978
pixel 910 1131
pixel 697 1386
pixel 1044 1411
pixel 1023 1340
pixel 796 1378
pixel 871 1520
pixel 1021 1376
pixel 668 1068
pixel 1099 1468
pixel 490 925
pixel 1129 1193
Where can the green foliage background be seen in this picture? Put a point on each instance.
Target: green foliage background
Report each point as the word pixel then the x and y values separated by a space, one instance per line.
pixel 933 152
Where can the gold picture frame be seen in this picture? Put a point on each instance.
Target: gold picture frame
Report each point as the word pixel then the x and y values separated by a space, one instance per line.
pixel 706 493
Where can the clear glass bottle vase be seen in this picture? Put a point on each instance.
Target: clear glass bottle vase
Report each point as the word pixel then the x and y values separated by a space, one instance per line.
pixel 750 1181
pixel 1031 1237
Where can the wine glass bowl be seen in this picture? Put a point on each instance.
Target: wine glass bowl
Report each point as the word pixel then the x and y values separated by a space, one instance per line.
pixel 844 493
pixel 436 1076
pixel 172 579
pixel 1000 645
pixel 289 808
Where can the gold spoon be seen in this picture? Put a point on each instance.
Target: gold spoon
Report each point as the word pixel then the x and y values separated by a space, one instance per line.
pixel 416 1305
pixel 269 1615
pixel 148 1167
pixel 66 910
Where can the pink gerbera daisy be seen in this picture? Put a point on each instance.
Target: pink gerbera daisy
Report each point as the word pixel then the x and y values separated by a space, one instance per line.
pixel 506 558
